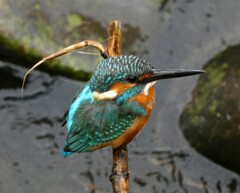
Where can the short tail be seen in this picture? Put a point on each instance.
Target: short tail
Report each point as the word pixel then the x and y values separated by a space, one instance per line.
pixel 66 154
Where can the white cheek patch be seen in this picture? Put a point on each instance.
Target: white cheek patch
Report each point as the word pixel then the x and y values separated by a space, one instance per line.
pixel 109 95
pixel 147 87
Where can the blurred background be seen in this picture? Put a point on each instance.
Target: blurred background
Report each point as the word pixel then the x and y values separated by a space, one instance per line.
pixel 191 143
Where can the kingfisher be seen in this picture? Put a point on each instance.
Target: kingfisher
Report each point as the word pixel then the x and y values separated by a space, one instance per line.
pixel 113 107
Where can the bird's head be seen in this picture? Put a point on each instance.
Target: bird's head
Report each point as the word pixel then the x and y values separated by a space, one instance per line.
pixel 115 75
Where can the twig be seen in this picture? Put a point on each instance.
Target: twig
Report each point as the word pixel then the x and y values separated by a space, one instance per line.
pixel 120 174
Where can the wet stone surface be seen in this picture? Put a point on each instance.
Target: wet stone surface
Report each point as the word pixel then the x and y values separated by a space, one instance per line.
pixel 180 34
pixel 31 140
pixel 211 121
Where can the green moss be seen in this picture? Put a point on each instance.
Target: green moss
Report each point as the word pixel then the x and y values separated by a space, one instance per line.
pixel 27 57
pixel 195 121
pixel 74 20
pixel 45 30
pixel 213 106
pixel 211 121
pixel 37 6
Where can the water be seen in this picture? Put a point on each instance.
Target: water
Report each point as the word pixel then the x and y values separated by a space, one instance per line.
pixel 183 34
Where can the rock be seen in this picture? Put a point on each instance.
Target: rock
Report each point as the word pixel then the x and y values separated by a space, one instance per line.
pixel 211 121
pixel 34 29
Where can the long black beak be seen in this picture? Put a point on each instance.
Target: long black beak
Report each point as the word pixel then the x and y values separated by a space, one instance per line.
pixel 170 73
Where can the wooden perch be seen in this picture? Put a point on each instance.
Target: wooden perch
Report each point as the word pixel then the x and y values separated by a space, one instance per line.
pixel 120 174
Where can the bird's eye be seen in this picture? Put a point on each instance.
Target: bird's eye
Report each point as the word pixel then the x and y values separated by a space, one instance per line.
pixel 132 79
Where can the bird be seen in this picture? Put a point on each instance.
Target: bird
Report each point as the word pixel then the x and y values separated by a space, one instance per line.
pixel 116 103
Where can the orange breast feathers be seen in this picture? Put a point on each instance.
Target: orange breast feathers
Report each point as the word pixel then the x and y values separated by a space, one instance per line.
pixel 144 99
pixel 147 101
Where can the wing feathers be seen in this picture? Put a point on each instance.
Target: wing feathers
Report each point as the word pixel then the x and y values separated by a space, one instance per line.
pixel 99 123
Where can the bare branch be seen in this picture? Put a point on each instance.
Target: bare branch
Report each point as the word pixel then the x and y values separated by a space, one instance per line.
pixel 120 174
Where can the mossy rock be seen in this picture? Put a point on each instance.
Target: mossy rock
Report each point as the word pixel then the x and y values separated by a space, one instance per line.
pixel 211 121
pixel 31 30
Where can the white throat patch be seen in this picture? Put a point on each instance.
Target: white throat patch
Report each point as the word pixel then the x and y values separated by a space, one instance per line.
pixel 109 95
pixel 147 87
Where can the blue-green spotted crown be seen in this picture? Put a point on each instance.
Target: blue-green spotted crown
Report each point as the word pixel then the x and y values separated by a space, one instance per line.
pixel 118 69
